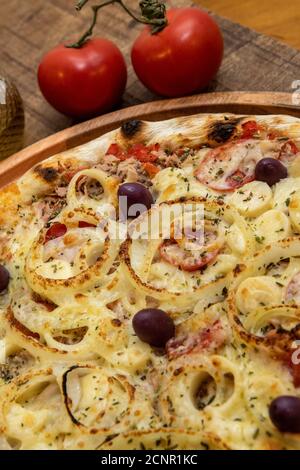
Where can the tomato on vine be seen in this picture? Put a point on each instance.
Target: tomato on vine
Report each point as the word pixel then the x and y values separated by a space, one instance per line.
pixel 85 81
pixel 183 57
pixel 178 53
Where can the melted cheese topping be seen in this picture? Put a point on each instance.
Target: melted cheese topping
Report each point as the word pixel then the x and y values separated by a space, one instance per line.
pixel 74 375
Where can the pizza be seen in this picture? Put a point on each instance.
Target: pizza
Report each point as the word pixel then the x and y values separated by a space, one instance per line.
pixel 150 290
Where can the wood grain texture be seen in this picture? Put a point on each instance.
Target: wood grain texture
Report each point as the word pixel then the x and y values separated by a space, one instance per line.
pixel 29 28
pixel 223 102
pixel 277 18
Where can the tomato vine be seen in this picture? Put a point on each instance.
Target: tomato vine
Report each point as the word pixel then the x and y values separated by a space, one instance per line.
pixel 153 13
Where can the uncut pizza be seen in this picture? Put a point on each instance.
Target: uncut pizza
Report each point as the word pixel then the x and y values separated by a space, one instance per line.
pixel 118 329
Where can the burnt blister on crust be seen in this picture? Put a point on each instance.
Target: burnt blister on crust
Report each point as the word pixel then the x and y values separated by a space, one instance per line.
pixel 131 128
pixel 222 131
pixel 49 174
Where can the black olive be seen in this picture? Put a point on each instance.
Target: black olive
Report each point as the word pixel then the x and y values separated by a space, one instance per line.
pixel 153 326
pixel 284 412
pixel 270 171
pixel 4 278
pixel 136 198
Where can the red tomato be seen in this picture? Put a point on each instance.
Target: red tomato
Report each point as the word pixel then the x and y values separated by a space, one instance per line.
pixel 173 254
pixel 83 82
pixel 209 339
pixel 140 152
pixel 238 179
pixel 250 128
pixel 143 153
pixel 116 151
pixel 226 168
pixel 288 151
pixel 183 57
pixel 55 231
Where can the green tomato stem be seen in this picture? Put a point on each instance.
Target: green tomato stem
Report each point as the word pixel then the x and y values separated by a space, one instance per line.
pixel 153 14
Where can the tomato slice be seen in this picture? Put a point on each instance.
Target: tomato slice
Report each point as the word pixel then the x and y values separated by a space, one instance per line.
pixel 187 260
pixel 230 166
pixel 250 129
pixel 83 224
pixel 206 339
pixel 55 231
pixel 238 179
pixel 113 149
pixel 288 151
pixel 291 147
pixel 116 151
pixel 140 152
pixel 143 153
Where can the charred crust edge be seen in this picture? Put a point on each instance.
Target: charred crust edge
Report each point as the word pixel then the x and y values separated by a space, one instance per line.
pixel 49 174
pixel 130 128
pixel 222 131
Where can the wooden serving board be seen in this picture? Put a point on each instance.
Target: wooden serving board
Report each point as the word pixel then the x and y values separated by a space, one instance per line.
pixel 232 102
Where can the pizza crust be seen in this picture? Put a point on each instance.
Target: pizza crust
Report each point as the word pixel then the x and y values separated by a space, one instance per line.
pixel 71 299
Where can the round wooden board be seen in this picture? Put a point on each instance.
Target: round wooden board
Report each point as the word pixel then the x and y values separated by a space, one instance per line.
pixel 231 102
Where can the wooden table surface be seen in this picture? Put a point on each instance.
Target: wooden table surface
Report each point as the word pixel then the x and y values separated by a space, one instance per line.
pixel 277 18
pixel 30 28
